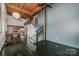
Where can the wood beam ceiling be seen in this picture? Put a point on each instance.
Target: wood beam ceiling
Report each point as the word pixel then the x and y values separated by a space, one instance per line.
pixel 26 10
pixel 16 8
pixel 39 9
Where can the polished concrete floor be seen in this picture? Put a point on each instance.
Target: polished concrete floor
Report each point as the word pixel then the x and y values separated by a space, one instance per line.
pixel 53 49
pixel 15 50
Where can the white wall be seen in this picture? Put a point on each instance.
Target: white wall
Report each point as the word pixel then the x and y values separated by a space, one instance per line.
pixel 0 20
pixel 3 18
pixel 63 24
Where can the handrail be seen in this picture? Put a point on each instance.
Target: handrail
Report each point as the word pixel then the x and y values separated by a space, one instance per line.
pixel 39 30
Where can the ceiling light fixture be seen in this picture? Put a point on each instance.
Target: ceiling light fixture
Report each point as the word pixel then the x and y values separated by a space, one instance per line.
pixel 16 15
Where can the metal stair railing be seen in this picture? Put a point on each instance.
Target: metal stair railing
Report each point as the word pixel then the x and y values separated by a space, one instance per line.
pixel 39 30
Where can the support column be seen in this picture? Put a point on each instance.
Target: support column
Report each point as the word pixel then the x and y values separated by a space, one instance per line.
pixel 3 17
pixel 45 33
pixel 3 20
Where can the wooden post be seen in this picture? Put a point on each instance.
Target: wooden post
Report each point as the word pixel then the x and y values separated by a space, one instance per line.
pixel 45 34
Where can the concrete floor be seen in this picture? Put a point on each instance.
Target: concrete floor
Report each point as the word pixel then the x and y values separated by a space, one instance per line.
pixel 15 50
pixel 53 49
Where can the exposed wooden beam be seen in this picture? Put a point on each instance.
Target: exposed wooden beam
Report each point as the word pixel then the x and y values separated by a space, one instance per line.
pixel 16 8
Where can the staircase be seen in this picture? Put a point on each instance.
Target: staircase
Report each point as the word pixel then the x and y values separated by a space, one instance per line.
pixel 32 40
